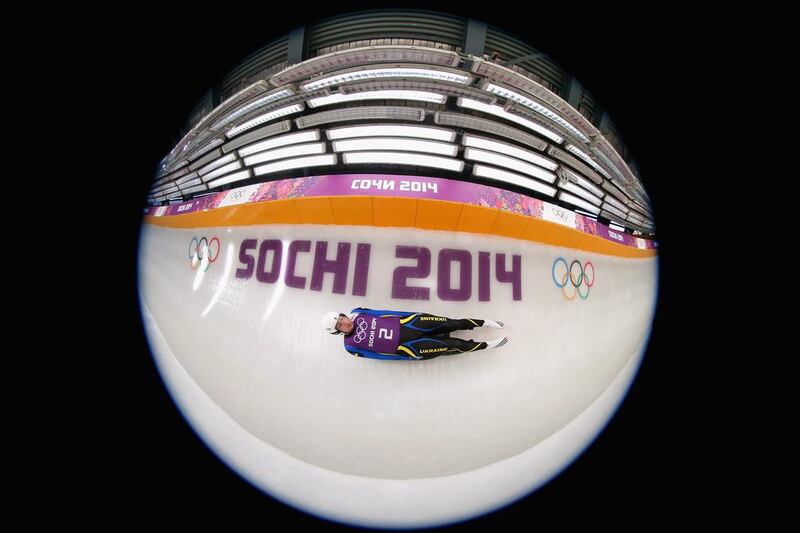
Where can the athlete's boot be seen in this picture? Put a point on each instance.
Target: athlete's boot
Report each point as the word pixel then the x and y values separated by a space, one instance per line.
pixel 496 343
pixel 493 324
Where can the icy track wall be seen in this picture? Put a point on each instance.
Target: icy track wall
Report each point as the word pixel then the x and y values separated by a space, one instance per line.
pixel 235 285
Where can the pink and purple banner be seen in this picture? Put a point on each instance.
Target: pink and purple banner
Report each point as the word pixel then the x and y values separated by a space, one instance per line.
pixel 402 186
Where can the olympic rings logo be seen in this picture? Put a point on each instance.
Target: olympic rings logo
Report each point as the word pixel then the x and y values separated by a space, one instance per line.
pixel 573 277
pixel 200 252
pixel 361 330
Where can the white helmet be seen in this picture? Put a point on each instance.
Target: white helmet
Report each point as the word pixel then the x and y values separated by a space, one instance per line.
pixel 329 322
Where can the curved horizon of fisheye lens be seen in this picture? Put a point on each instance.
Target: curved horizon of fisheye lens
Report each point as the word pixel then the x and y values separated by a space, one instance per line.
pixel 400 270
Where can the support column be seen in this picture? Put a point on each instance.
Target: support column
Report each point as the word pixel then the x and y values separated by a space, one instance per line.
pixel 475 38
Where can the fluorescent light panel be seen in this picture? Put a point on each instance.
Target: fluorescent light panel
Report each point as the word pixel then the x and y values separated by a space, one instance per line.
pixel 586 213
pixel 283 140
pixel 610 163
pixel 223 170
pixel 574 200
pixel 195 189
pixel 542 110
pixel 586 195
pixel 251 106
pixel 216 164
pixel 492 158
pixel 497 110
pixel 613 190
pixel 616 227
pixel 286 151
pixel 403 158
pixel 300 162
pixel 399 72
pixel 196 181
pixel 612 201
pixel 633 218
pixel 255 135
pixel 583 155
pixel 507 149
pixel 204 149
pixel 422 96
pixel 583 182
pixel 512 178
pixel 210 156
pixel 170 187
pixel 266 117
pixel 395 144
pixel 392 130
pixel 611 209
pixel 361 55
pixel 230 178
pixel 460 120
pixel 414 114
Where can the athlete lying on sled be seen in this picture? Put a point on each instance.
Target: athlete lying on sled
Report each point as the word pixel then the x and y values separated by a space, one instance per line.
pixel 382 334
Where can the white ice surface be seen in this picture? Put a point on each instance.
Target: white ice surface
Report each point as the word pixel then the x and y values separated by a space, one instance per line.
pixel 397 444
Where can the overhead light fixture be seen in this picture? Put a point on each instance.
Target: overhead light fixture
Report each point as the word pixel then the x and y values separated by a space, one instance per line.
pixel 395 144
pixel 496 174
pixel 230 178
pixel 285 152
pixel 460 120
pixel 403 158
pixel 255 135
pixel 610 200
pixel 583 155
pixel 610 188
pixel 612 217
pixel 497 110
pixel 167 190
pixel 476 154
pixel 172 176
pixel 586 195
pixel 636 207
pixel 575 163
pixel 359 56
pixel 574 200
pixel 583 182
pixel 283 140
pixel 205 148
pixel 216 164
pixel 611 209
pixel 196 181
pixel 422 96
pixel 195 189
pixel 372 54
pixel 300 162
pixel 445 89
pixel 616 227
pixel 634 218
pixel 392 130
pixel 586 213
pixel 210 156
pixel 264 100
pixel 507 149
pixel 610 164
pixel 397 72
pixel 414 114
pixel 542 110
pixel 266 117
pixel 236 165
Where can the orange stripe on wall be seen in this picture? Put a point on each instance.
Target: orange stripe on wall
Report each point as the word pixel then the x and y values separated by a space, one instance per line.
pixel 400 212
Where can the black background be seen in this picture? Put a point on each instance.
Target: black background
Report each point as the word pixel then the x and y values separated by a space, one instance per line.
pixel 152 68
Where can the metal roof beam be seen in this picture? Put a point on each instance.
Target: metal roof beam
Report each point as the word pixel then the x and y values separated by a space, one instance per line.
pixel 475 38
pixel 296 45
